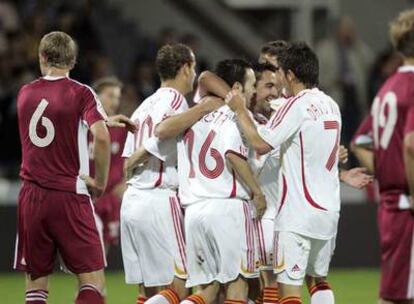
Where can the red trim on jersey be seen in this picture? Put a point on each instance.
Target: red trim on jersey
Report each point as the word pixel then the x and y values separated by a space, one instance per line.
pixel 178 232
pixel 281 113
pixel 235 153
pixel 332 125
pixel 234 189
pixel 263 242
pixel 262 246
pixel 178 99
pixel 305 189
pixel 249 237
pixel 159 181
pixel 284 192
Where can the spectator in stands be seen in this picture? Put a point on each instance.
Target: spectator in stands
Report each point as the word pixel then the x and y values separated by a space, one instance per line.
pixel 344 63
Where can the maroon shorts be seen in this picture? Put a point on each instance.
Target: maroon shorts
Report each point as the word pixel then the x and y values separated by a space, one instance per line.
pixel 108 209
pixel 396 229
pixel 55 222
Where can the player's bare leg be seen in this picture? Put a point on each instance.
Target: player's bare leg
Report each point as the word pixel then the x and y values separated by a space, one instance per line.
pixel 290 294
pixel 270 287
pixel 206 294
pixel 37 290
pixel 237 290
pixel 255 290
pixel 319 290
pixel 172 294
pixel 91 287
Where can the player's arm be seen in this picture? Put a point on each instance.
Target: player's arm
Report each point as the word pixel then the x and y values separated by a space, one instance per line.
pixel 136 160
pixel 356 177
pixel 210 84
pixel 365 157
pixel 101 156
pixel 409 153
pixel 245 122
pixel 175 125
pixel 245 173
pixel 121 121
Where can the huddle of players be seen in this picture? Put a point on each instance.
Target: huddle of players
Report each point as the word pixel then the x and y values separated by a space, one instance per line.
pixel 216 145
pixel 228 166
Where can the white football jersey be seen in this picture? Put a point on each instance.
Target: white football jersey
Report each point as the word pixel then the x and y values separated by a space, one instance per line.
pixel 268 176
pixel 202 166
pixel 307 128
pixel 156 173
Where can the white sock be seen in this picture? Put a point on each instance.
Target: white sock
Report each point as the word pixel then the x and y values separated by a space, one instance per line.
pixel 323 297
pixel 157 299
pixel 186 302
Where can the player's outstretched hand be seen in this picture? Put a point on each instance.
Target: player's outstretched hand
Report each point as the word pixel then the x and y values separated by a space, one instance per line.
pixel 343 154
pixel 356 177
pixel 235 100
pixel 94 189
pixel 260 204
pixel 121 121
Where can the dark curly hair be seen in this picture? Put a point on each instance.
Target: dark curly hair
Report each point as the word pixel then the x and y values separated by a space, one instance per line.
pixel 170 58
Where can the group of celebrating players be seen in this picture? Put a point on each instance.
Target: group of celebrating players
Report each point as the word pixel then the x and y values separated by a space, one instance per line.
pixel 234 199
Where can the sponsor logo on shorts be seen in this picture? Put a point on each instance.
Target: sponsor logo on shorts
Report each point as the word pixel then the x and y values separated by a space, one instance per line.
pixel 295 268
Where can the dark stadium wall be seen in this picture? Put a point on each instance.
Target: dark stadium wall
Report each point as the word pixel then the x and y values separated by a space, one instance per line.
pixel 373 28
pixel 357 241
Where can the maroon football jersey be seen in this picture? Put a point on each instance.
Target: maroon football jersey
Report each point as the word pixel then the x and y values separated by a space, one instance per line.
pixel 54 117
pixel 392 115
pixel 118 137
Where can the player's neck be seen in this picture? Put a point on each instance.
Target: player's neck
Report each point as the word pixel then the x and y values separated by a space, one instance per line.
pixel 297 88
pixel 409 61
pixel 175 84
pixel 55 72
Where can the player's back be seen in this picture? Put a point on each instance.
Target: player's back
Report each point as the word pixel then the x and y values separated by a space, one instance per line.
pixel 309 190
pixel 203 169
pixel 389 119
pixel 54 117
pixel 157 174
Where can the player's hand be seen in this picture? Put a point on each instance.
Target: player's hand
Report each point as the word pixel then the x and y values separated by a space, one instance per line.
pixel 259 200
pixel 356 177
pixel 121 121
pixel 343 154
pixel 94 189
pixel 235 100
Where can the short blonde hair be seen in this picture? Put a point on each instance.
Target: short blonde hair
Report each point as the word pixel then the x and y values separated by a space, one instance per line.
pixel 59 50
pixel 402 33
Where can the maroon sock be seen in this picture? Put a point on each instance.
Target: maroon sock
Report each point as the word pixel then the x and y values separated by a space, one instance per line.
pixel 89 294
pixel 36 296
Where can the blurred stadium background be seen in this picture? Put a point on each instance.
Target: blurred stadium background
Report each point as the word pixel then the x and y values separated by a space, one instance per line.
pixel 121 37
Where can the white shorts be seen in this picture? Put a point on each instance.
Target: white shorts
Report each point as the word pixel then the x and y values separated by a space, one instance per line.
pixel 220 241
pixel 297 255
pixel 264 230
pixel 152 239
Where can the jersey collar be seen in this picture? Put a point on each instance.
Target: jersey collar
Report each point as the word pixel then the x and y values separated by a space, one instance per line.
pixel 406 68
pixel 52 78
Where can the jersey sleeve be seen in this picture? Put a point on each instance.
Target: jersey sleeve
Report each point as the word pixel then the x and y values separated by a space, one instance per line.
pixel 363 135
pixel 283 124
pixel 172 103
pixel 233 142
pixel 129 147
pixel 92 109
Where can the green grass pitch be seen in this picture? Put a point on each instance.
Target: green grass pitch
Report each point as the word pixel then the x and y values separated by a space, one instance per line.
pixel 359 286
